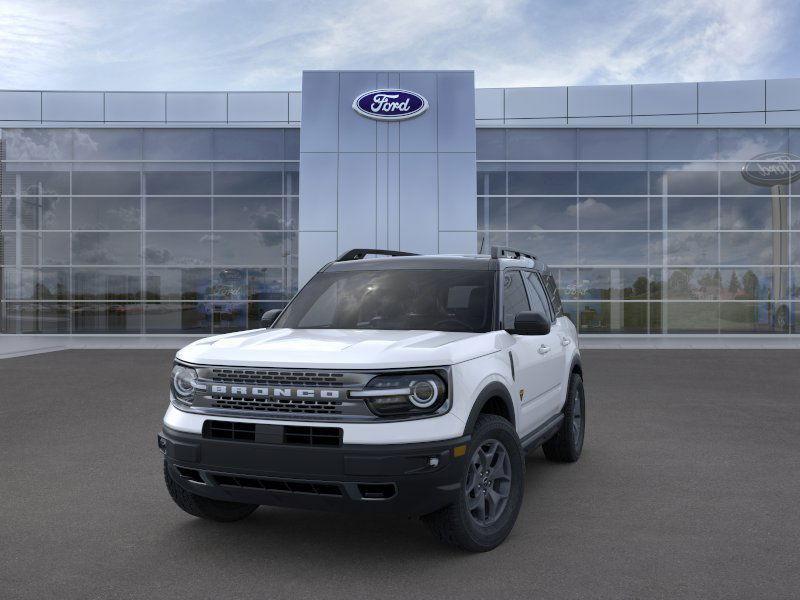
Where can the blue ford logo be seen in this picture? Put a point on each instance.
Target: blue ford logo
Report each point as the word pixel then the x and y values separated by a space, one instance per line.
pixel 390 105
pixel 772 168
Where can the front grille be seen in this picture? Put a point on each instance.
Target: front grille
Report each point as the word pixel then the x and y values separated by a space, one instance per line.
pixel 303 406
pixel 319 488
pixel 271 377
pixel 312 436
pixel 230 430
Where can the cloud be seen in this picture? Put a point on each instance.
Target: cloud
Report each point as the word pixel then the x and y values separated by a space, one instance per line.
pixel 179 44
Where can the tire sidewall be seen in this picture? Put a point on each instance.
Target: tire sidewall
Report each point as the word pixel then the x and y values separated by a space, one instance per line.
pixel 576 393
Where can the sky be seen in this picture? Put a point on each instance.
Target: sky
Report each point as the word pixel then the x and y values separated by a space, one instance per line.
pixel 264 45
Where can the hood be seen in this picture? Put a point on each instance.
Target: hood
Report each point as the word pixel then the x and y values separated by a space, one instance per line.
pixel 339 348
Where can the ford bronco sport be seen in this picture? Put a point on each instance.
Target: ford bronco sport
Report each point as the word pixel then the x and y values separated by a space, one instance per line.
pixel 398 384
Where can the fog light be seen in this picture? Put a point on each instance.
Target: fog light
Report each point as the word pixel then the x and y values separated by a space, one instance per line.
pixel 433 461
pixel 162 443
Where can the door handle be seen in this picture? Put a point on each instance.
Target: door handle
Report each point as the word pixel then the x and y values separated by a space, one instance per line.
pixel 565 341
pixel 544 349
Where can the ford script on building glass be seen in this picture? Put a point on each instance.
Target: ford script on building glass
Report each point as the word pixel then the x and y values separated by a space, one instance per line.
pixel 391 383
pixel 390 105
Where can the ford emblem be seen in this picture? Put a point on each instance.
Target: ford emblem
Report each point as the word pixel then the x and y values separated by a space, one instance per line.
pixel 390 105
pixel 772 168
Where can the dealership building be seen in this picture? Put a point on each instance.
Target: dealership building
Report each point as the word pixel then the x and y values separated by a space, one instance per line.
pixel 663 209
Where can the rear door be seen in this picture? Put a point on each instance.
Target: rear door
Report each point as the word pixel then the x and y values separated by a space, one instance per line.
pixel 535 379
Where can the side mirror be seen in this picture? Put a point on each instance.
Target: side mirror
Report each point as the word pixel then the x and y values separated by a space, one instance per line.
pixel 268 318
pixel 531 323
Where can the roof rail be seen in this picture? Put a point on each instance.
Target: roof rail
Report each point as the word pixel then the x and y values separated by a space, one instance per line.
pixel 506 252
pixel 359 253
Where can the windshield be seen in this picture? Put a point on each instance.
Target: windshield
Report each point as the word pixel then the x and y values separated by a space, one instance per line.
pixel 439 300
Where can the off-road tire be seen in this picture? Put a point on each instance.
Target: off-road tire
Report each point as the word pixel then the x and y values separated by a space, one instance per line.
pixel 454 525
pixel 205 508
pixel 566 445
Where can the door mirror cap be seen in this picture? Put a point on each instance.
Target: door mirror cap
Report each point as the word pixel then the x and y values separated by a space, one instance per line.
pixel 268 318
pixel 531 323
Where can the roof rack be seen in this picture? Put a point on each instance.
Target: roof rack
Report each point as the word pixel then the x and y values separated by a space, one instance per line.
pixel 359 253
pixel 506 252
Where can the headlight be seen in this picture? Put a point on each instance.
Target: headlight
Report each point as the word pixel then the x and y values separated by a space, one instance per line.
pixel 183 383
pixel 405 395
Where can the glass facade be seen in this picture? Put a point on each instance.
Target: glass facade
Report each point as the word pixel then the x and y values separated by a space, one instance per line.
pixel 650 231
pixel 146 230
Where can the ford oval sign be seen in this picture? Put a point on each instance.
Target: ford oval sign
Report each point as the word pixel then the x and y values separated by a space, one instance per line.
pixel 772 168
pixel 390 105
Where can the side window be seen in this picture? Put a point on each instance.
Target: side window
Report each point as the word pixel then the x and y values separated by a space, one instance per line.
pixel 515 299
pixel 538 298
pixel 555 298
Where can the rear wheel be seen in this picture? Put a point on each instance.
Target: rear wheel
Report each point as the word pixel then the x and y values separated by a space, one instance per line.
pixel 205 508
pixel 492 488
pixel 566 445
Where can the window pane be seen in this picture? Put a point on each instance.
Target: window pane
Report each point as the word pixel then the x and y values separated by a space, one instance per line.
pixel 105 213
pixel 248 144
pixel 691 317
pixel 45 248
pixel 38 144
pixel 754 213
pixel 107 318
pixel 107 144
pixel 541 144
pixel 747 317
pixel 178 144
pixel 105 248
pixel 267 284
pixel 542 213
pixel 291 179
pixel 749 248
pixel 8 214
pixel 608 144
pixel 178 183
pixel 613 182
pixel 490 144
pixel 252 248
pixel 552 248
pixel 106 284
pixel 613 284
pixel 692 248
pixel 34 317
pixel 291 142
pixel 529 182
pixel 692 213
pixel 44 212
pixel 105 182
pixel 754 283
pixel 612 213
pixel 656 213
pixel 248 213
pixel 746 144
pixel 177 284
pixel 36 183
pixel 229 316
pixel 682 144
pixel 613 248
pixel 733 182
pixel 176 317
pixel 178 248
pixel 36 284
pixel 684 183
pixel 537 296
pixel 613 317
pixel 174 212
pixel 492 213
pixel 515 298
pixel 250 183
pixel 491 179
pixel 693 284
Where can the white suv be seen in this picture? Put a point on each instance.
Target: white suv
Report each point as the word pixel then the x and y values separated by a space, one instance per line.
pixel 404 384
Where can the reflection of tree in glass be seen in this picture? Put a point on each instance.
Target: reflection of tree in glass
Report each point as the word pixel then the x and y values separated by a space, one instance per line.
pixel 639 288
pixel 750 285
pixel 734 286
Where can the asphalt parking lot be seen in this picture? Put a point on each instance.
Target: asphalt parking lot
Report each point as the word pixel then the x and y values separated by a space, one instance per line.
pixel 688 488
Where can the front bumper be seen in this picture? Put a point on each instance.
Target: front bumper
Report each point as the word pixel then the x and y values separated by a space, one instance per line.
pixel 409 479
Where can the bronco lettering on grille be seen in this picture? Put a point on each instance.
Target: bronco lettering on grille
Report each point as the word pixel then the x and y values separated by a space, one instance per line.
pixel 274 392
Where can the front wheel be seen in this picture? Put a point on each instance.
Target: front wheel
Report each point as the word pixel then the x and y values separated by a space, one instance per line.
pixel 567 443
pixel 492 488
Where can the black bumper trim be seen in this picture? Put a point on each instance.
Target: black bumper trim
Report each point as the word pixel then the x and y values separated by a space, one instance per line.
pixel 422 477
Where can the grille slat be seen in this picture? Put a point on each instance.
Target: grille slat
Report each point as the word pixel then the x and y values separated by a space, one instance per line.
pixel 319 488
pixel 270 377
pixel 281 405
